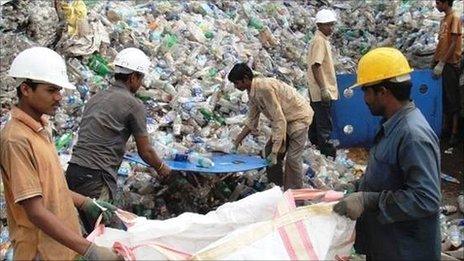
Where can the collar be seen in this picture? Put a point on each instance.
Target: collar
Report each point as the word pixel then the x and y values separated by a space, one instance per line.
pixel 17 113
pixel 391 123
pixel 254 82
pixel 321 34
pixel 120 84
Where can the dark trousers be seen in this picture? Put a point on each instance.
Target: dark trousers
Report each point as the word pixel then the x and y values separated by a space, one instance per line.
pixel 90 183
pixel 321 127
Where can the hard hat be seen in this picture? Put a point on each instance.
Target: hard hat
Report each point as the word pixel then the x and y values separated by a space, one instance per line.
pixel 384 63
pixel 132 59
pixel 325 16
pixel 41 64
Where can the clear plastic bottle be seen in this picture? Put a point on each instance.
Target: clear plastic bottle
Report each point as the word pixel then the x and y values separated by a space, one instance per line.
pixel 177 125
pixel 200 160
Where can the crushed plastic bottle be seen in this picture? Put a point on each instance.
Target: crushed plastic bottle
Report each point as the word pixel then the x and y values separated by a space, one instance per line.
pixel 200 160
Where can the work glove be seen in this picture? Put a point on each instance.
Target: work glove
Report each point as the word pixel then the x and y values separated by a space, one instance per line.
pixel 438 69
pixel 95 252
pixel 325 95
pixel 271 159
pixel 354 204
pixel 349 187
pixel 93 208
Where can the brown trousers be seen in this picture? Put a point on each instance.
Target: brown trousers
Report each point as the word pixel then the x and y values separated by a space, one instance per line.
pixel 292 177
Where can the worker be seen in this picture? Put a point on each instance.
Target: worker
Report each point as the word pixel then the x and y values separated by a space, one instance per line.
pixel 446 62
pixel 41 210
pixel 290 116
pixel 322 82
pixel 110 117
pixel 397 200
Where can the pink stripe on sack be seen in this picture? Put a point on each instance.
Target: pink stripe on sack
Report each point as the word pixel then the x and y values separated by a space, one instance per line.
pixel 288 245
pixel 306 241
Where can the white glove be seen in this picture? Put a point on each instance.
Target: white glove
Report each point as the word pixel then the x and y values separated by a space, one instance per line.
pixel 438 69
pixel 325 95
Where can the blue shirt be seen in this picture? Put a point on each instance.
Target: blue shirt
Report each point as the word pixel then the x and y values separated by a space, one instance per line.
pixel 404 166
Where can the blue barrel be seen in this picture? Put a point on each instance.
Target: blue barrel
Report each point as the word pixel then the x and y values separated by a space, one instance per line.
pixel 426 93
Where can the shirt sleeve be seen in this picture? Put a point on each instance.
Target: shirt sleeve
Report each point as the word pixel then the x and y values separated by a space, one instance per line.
pixel 278 121
pixel 253 117
pixel 420 195
pixel 18 163
pixel 456 26
pixel 316 53
pixel 138 120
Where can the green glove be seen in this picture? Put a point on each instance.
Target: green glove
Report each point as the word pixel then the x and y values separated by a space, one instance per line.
pixel 93 208
pixel 353 205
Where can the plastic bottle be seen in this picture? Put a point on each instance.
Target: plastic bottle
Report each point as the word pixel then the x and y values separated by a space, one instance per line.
pixel 177 125
pixel 455 236
pixel 99 64
pixel 200 160
pixel 64 141
pixel 256 23
pixel 168 118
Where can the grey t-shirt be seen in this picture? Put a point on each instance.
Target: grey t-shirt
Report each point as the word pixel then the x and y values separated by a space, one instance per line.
pixel 109 118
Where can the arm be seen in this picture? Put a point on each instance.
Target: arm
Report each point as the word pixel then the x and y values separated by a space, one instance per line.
pixel 250 125
pixel 318 76
pixel 278 121
pixel 148 154
pixel 451 48
pixel 245 131
pixel 420 196
pixel 78 199
pixel 52 226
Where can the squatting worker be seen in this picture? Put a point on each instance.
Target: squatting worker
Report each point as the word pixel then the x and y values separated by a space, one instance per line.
pixel 110 117
pixel 322 82
pixel 290 116
pixel 41 210
pixel 397 201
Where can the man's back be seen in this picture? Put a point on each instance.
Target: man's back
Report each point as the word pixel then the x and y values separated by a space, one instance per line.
pixel 109 118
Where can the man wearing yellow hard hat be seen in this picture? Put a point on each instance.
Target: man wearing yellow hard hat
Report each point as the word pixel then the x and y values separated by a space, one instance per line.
pixel 397 201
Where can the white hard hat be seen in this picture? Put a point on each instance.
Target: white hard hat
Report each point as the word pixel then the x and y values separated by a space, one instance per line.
pixel 41 64
pixel 132 59
pixel 325 16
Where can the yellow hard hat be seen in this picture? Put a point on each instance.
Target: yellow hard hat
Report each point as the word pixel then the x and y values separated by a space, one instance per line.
pixel 382 64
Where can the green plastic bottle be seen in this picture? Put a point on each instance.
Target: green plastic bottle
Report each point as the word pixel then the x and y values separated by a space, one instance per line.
pixel 99 64
pixel 64 141
pixel 256 23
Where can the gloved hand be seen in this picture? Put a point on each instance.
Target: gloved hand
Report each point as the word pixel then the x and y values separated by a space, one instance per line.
pixel 438 69
pixel 325 95
pixel 350 187
pixel 95 252
pixel 93 208
pixel 354 204
pixel 271 159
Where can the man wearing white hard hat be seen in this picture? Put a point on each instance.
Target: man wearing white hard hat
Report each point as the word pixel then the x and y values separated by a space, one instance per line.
pixel 42 217
pixel 322 82
pixel 110 117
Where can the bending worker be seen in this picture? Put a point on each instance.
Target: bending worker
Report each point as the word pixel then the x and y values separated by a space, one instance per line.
pixel 42 218
pixel 290 116
pixel 110 117
pixel 397 201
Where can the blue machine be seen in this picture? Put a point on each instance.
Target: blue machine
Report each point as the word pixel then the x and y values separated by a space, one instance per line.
pixel 223 163
pixel 426 93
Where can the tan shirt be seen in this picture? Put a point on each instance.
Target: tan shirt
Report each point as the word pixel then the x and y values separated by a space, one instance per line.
pixel 451 24
pixel 30 167
pixel 287 110
pixel 320 52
